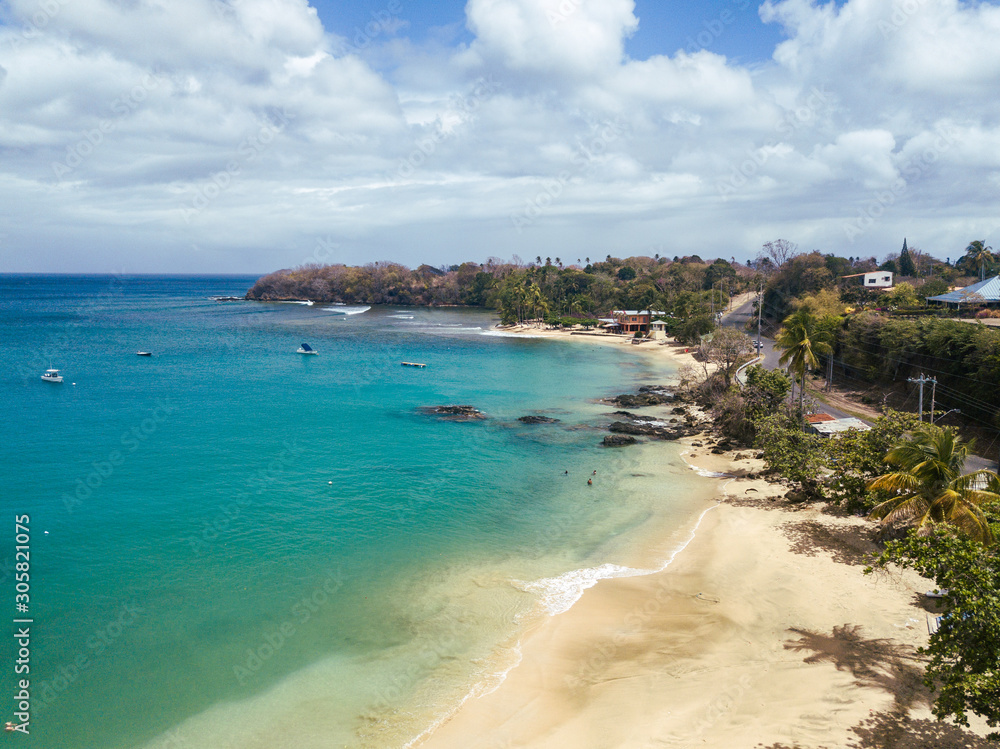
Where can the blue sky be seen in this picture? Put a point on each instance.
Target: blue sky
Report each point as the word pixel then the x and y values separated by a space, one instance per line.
pixel 248 135
pixel 732 27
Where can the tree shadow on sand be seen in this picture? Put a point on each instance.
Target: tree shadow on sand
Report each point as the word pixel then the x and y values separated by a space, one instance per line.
pixel 893 730
pixel 893 668
pixel 879 664
pixel 845 545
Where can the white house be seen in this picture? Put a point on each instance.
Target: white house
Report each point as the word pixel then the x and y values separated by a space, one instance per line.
pixel 880 279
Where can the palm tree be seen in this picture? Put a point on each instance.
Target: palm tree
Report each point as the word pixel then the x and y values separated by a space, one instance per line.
pixel 534 300
pixel 981 255
pixel 801 338
pixel 929 485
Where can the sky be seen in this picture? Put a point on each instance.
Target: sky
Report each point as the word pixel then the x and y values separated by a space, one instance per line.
pixel 244 136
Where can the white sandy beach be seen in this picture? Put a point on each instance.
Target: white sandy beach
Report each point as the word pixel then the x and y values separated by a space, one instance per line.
pixel 763 632
pixel 736 644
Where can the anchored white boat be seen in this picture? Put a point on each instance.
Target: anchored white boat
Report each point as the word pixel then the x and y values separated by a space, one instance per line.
pixel 52 375
pixel 307 349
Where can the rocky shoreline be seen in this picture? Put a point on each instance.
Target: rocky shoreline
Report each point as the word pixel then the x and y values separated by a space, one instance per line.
pixel 684 419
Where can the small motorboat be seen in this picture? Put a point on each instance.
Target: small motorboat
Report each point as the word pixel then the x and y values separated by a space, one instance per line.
pixel 52 375
pixel 143 353
pixel 305 348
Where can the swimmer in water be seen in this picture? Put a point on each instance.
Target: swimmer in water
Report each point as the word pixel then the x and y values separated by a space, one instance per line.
pixel 590 482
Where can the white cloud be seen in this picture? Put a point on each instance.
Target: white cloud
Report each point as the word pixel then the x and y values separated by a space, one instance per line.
pixel 245 129
pixel 575 38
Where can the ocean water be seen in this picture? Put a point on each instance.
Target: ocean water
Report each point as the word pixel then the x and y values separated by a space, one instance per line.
pixel 235 545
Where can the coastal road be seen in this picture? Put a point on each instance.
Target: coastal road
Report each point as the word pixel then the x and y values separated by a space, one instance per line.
pixel 743 313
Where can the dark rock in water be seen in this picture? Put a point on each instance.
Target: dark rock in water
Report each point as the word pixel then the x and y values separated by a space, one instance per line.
pixel 456 413
pixel 648 430
pixel 658 389
pixel 634 417
pixel 532 419
pixel 618 440
pixel 679 410
pixel 627 400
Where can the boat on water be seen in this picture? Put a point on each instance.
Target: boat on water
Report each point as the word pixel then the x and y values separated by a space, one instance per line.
pixel 305 348
pixel 143 353
pixel 52 375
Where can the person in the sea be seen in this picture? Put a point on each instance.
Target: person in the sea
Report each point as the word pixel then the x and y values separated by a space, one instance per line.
pixel 594 473
pixel 590 482
pixel 566 473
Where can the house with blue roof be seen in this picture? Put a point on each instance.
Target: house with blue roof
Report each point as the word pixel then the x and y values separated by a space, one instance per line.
pixel 983 293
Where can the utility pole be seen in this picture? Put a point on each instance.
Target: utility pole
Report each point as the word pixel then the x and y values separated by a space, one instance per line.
pixel 921 382
pixel 760 307
pixel 933 393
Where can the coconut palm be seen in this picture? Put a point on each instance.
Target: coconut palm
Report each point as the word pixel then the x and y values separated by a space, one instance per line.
pixel 801 338
pixel 929 486
pixel 979 254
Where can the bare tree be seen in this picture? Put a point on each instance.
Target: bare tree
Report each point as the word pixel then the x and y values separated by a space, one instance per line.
pixel 778 252
pixel 727 349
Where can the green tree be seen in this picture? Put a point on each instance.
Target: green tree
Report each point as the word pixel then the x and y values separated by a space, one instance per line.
pixel 977 253
pixel 719 270
pixel 691 329
pixel 928 485
pixel 964 654
pixel 858 456
pixel 903 295
pixel 801 338
pixel 738 411
pixel 790 452
pixel 906 264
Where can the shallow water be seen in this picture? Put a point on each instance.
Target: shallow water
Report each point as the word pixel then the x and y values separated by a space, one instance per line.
pixel 249 547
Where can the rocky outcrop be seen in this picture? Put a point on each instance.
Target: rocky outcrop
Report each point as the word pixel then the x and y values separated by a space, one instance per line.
pixel 533 419
pixel 618 440
pixel 455 413
pixel 656 430
pixel 635 417
pixel 638 400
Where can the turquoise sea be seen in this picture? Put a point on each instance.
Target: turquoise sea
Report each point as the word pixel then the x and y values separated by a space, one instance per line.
pixel 235 545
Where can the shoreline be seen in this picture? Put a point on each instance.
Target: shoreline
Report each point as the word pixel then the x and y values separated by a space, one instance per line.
pixel 667 350
pixel 739 639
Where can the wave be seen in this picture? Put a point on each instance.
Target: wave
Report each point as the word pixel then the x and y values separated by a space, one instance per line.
pixel 441 329
pixel 402 317
pixel 701 471
pixel 305 301
pixel 507 334
pixel 345 310
pixel 558 594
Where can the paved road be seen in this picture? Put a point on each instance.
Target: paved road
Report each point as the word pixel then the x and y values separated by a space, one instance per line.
pixel 744 313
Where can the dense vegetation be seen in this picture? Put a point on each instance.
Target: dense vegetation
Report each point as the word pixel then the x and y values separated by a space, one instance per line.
pixel 907 475
pixel 522 291
pixel 964 654
pixel 964 358
pixel 875 337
